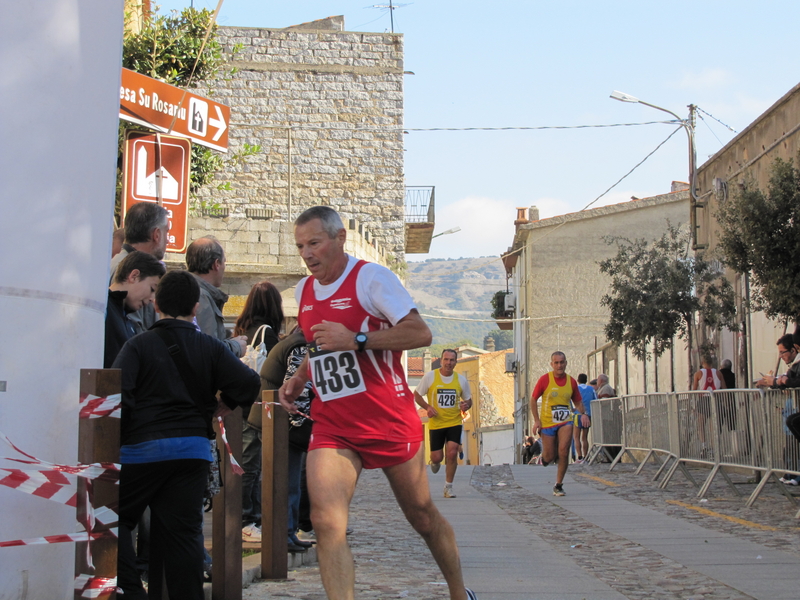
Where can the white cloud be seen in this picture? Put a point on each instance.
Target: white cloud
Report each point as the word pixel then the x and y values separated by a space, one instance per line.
pixel 487 228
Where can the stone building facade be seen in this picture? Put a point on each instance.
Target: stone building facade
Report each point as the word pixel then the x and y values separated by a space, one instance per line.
pixel 326 108
pixel 748 156
pixel 558 286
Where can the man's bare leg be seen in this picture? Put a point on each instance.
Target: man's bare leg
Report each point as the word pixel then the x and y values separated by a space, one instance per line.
pixel 410 485
pixel 452 461
pixel 332 476
pixel 564 435
pixel 549 449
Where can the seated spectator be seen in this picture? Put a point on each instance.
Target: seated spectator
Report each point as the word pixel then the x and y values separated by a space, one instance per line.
pixel 133 286
pixel 788 351
pixel 170 375
pixel 604 389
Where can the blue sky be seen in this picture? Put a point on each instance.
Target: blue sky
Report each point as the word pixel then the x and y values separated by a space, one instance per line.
pixel 532 63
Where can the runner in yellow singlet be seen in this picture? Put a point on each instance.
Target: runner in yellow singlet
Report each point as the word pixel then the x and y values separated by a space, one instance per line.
pixel 556 389
pixel 443 387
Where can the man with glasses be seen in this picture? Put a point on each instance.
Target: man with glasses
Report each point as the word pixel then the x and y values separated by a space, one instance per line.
pixel 791 379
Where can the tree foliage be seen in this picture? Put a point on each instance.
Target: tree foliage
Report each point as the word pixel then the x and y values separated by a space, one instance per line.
pixel 760 235
pixel 167 47
pixel 658 289
pixel 503 340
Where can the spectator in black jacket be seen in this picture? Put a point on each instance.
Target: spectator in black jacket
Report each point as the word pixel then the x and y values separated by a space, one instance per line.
pixel 165 429
pixel 133 286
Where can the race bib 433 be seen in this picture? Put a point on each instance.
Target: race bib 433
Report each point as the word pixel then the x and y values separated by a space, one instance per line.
pixel 335 374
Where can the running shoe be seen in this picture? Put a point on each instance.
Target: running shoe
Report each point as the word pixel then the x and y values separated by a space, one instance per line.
pixel 558 490
pixel 435 467
pixel 471 595
pixel 251 533
pixel 792 482
pixel 448 492
pixel 306 536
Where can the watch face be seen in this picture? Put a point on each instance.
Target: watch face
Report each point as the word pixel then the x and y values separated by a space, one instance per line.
pixel 361 337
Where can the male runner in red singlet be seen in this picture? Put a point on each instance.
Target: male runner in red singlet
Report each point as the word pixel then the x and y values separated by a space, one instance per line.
pixel 556 389
pixel 358 318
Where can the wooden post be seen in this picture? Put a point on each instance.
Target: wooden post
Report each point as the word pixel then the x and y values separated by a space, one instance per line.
pixel 98 442
pixel 274 488
pixel 226 546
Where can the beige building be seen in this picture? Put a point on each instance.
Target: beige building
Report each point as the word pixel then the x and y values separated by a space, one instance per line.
pixel 748 156
pixel 557 287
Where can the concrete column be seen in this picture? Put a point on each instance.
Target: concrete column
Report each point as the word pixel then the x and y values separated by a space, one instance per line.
pixel 59 102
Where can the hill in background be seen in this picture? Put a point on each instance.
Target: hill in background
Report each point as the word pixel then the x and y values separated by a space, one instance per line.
pixel 460 288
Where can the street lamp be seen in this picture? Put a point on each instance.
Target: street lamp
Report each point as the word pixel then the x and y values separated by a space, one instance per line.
pixel 688 126
pixel 449 231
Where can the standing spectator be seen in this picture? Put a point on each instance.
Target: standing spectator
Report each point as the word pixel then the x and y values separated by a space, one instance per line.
pixel 260 322
pixel 282 363
pixel 134 286
pixel 728 375
pixel 604 389
pixel 117 239
pixel 146 229
pixel 580 434
pixel 205 259
pixel 709 379
pixel 166 419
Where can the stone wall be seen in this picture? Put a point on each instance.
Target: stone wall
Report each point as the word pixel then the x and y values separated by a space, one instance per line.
pixel 338 98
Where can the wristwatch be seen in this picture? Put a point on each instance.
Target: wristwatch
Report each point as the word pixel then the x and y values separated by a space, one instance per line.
pixel 361 340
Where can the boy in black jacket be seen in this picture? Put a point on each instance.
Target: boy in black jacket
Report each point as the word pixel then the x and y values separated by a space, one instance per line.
pixel 165 430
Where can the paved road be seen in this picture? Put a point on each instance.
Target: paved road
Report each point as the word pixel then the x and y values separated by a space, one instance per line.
pixel 614 536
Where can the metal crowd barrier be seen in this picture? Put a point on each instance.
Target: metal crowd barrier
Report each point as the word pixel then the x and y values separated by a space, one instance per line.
pixel 721 430
pixel 606 428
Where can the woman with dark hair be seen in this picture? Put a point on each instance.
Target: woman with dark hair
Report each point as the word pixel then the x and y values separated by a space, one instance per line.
pixel 260 321
pixel 264 306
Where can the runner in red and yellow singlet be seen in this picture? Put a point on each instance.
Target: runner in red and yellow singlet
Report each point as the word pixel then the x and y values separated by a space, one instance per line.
pixel 554 421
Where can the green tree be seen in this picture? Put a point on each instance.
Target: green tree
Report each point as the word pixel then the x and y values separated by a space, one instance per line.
pixel 760 235
pixel 168 47
pixel 658 291
pixel 503 340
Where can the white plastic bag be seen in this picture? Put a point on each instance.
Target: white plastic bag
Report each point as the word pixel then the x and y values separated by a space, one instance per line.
pixel 256 353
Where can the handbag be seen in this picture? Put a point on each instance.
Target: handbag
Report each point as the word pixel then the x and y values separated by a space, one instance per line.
pixel 256 352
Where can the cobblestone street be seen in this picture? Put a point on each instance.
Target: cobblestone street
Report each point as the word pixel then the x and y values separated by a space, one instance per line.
pixel 393 562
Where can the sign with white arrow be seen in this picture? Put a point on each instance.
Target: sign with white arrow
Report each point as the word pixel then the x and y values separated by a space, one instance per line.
pixel 170 109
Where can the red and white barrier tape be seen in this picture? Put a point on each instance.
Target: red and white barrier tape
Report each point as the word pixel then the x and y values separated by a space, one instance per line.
pixel 102 471
pixel 95 587
pixel 234 465
pixel 93 407
pixel 269 415
pixel 83 536
pixel 51 485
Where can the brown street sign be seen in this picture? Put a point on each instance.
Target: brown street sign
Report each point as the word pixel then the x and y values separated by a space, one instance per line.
pixel 156 169
pixel 161 106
